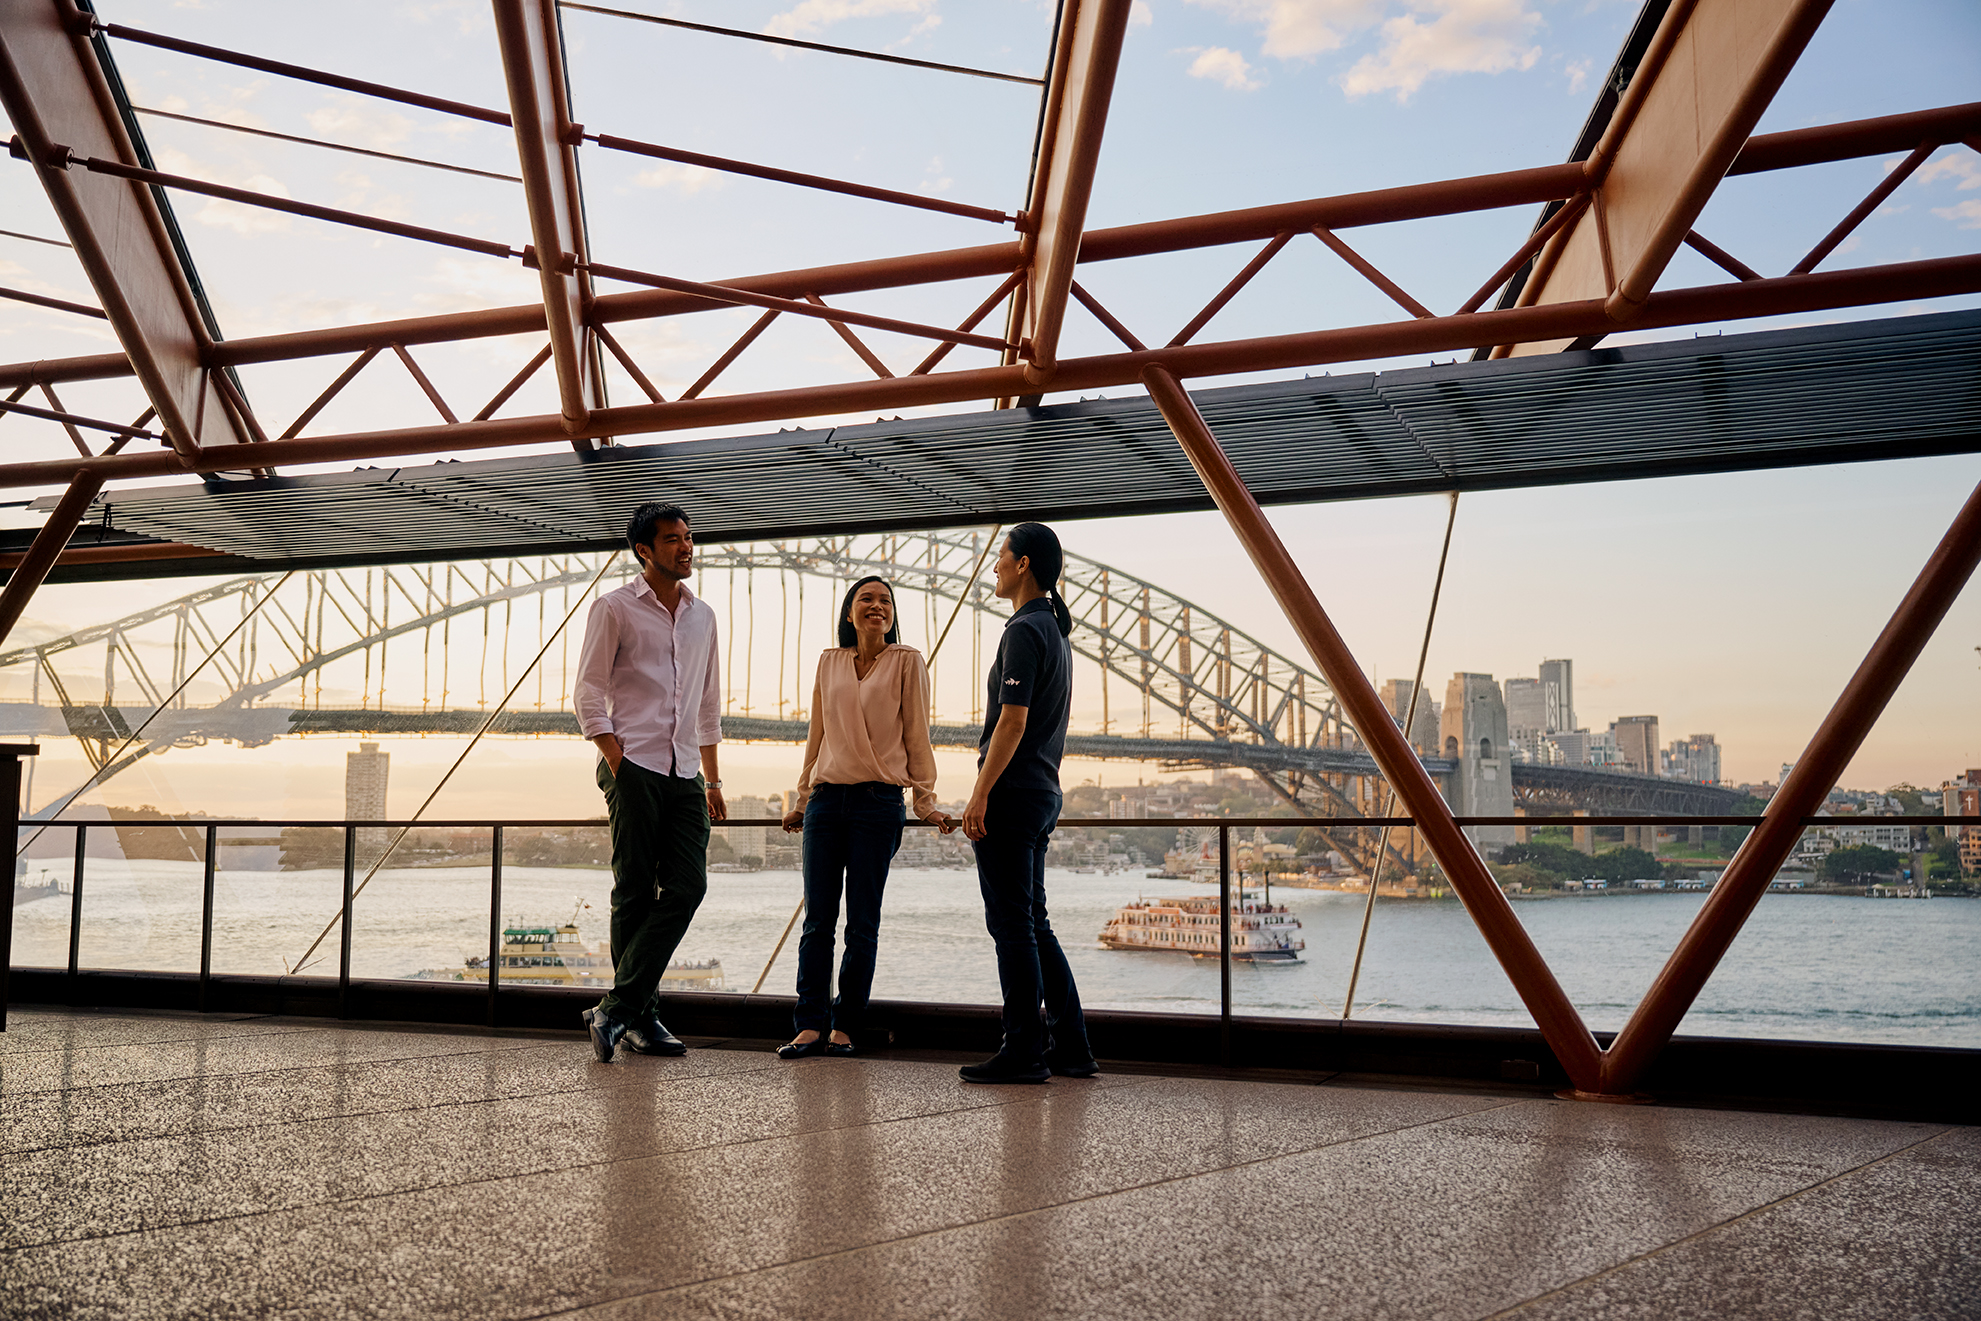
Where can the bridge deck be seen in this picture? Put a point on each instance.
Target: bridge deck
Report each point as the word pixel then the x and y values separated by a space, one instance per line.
pixel 170 1166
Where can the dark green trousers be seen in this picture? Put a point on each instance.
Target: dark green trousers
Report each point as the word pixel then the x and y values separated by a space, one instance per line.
pixel 659 876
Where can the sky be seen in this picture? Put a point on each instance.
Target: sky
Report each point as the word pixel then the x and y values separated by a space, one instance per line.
pixel 1731 604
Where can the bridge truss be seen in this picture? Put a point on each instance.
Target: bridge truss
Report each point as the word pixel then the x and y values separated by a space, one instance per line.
pixel 431 649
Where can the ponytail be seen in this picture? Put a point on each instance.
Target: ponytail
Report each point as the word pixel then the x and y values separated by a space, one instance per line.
pixel 1040 545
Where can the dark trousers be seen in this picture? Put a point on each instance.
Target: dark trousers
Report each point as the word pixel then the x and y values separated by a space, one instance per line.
pixel 1031 967
pixel 659 877
pixel 851 834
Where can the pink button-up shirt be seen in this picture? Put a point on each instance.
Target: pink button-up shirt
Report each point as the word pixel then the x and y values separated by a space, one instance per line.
pixel 650 677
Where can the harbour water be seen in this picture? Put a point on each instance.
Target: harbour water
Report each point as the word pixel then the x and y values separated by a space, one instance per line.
pixel 1807 966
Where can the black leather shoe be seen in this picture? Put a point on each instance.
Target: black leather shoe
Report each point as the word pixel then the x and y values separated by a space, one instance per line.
pixel 649 1037
pixel 841 1050
pixel 798 1050
pixel 1081 1068
pixel 605 1031
pixel 1006 1068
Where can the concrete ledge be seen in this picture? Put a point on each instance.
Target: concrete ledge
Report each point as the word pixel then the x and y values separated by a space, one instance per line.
pixel 1904 1082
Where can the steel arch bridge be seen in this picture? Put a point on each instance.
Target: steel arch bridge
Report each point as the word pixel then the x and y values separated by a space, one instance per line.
pixel 1179 685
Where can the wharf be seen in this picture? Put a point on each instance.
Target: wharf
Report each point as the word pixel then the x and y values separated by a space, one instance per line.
pixel 165 1165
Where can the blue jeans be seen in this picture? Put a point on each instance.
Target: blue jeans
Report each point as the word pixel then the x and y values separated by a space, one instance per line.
pixel 851 834
pixel 1031 967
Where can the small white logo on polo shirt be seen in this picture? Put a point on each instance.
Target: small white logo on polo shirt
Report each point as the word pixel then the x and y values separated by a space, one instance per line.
pixel 1012 682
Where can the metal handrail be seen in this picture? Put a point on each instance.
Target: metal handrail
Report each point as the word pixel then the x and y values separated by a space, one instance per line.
pixel 1070 822
pixel 211 829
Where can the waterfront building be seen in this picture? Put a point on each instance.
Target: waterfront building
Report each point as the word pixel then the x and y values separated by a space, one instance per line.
pixel 365 774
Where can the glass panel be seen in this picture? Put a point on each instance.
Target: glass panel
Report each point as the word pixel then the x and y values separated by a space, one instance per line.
pixel 43 889
pixel 274 892
pixel 142 897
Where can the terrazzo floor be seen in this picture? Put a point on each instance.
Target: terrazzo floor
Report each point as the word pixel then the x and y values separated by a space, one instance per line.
pixel 166 1165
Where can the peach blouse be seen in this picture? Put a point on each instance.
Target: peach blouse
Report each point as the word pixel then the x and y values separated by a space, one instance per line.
pixel 876 728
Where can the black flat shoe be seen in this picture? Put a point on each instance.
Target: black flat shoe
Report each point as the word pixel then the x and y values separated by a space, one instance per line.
pixel 841 1050
pixel 1002 1068
pixel 798 1050
pixel 650 1037
pixel 605 1033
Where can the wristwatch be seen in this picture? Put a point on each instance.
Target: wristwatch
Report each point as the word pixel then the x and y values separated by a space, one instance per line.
pixel 713 784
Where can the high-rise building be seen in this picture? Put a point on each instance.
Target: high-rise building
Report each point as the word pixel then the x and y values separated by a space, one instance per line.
pixel 1565 747
pixel 1694 758
pixel 365 774
pixel 747 841
pixel 1526 706
pixel 1558 695
pixel 1637 743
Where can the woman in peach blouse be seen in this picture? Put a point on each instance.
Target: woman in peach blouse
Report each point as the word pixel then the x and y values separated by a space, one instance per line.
pixel 869 741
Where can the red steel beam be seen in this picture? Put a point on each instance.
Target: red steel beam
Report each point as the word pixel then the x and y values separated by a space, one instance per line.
pixel 1857 139
pixel 60 103
pixel 1863 287
pixel 1416 201
pixel 546 146
pixel 47 546
pixel 1816 771
pixel 1560 1024
pixel 1091 33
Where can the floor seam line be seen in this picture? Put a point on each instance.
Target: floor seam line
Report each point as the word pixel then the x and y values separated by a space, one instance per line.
pixel 360 1114
pixel 1032 1211
pixel 1751 1212
pixel 255 1073
pixel 527 1174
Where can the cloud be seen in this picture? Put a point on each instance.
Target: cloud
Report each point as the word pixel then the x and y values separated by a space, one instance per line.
pixel 1301 29
pixel 1140 15
pixel 1968 213
pixel 349 120
pixel 814 16
pixel 929 24
pixel 684 179
pixel 1959 165
pixel 1462 36
pixel 1221 65
pixel 245 219
pixel 1578 74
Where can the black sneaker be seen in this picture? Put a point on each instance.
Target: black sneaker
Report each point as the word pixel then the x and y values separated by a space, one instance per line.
pixel 1001 1068
pixel 649 1037
pixel 605 1032
pixel 1085 1067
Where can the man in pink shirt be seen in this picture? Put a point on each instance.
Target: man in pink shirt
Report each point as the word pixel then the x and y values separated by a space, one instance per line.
pixel 648 696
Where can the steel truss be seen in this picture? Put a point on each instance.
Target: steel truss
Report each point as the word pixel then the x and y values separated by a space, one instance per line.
pixel 1681 124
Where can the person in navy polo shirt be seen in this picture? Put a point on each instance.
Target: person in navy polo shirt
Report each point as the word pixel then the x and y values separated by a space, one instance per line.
pixel 1011 814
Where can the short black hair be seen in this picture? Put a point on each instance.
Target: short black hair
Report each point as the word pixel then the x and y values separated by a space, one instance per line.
pixel 640 527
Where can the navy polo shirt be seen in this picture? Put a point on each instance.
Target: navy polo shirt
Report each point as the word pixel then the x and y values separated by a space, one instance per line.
pixel 1033 669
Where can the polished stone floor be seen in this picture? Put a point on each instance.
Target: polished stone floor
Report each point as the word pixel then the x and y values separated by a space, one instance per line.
pixel 174 1165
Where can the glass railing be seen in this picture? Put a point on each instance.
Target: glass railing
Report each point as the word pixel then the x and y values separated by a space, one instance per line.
pixel 1829 954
